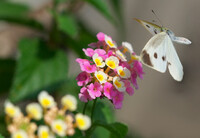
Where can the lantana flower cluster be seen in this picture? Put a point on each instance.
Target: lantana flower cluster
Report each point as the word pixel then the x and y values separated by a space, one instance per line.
pixel 56 122
pixel 110 71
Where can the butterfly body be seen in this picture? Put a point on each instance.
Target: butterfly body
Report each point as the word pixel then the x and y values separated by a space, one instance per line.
pixel 159 52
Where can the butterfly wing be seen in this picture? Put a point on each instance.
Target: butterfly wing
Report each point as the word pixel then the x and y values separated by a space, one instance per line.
pixel 174 65
pixel 181 40
pixel 154 53
pixel 152 28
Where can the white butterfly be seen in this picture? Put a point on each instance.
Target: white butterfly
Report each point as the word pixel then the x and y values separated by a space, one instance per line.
pixel 159 52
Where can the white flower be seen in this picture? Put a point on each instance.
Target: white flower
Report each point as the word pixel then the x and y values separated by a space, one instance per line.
pixel 112 62
pixel 34 110
pixel 123 72
pixel 120 55
pixel 20 134
pixel 83 122
pixel 11 110
pixel 59 127
pixel 98 60
pixel 69 102
pixel 127 47
pixel 46 100
pixel 119 85
pixel 101 76
pixel 44 132
pixel 109 42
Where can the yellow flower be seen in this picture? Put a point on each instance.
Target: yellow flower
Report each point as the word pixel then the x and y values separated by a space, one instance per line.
pixel 11 110
pixel 112 62
pixel 69 102
pixel 59 127
pixel 34 110
pixel 44 132
pixel 123 72
pixel 46 100
pixel 98 60
pixel 119 85
pixel 101 76
pixel 109 42
pixel 83 122
pixel 20 134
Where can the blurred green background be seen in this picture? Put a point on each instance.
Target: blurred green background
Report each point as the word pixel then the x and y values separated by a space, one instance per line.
pixel 39 41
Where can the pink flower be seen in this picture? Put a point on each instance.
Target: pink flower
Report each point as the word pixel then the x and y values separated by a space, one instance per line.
pixel 84 95
pixel 101 36
pixel 133 79
pixel 97 44
pixel 117 98
pixel 107 89
pixel 83 78
pixel 130 90
pixel 85 65
pixel 95 90
pixel 138 69
pixel 100 52
pixel 89 52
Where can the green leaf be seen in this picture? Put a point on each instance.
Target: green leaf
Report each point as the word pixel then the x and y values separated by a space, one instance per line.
pixel 25 21
pixel 38 68
pixel 103 112
pixel 18 13
pixel 1 136
pixel 67 24
pixel 117 130
pixel 120 128
pixel 102 6
pixel 12 9
pixel 7 68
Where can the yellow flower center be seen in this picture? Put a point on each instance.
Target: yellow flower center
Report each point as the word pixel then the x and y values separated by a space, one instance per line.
pixel 134 57
pixel 100 77
pixel 110 43
pixel 58 127
pixel 45 102
pixel 111 64
pixel 68 103
pixel 34 112
pixel 118 84
pixel 19 136
pixel 81 122
pixel 10 110
pixel 98 62
pixel 121 72
pixel 44 134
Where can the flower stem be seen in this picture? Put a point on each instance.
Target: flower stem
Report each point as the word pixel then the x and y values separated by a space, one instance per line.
pixel 93 107
pixel 84 108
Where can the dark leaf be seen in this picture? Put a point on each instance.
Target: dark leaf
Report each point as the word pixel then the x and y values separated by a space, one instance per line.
pixel 38 68
pixel 7 68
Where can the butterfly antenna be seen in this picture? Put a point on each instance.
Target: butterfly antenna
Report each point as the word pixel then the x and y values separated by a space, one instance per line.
pixel 157 17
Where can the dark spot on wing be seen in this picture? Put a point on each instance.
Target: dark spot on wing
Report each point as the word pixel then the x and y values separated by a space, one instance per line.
pixel 155 55
pixel 163 58
pixel 147 26
pixel 155 31
pixel 169 63
pixel 146 58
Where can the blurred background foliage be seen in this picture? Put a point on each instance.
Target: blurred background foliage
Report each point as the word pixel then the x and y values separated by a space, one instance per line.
pixel 42 62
